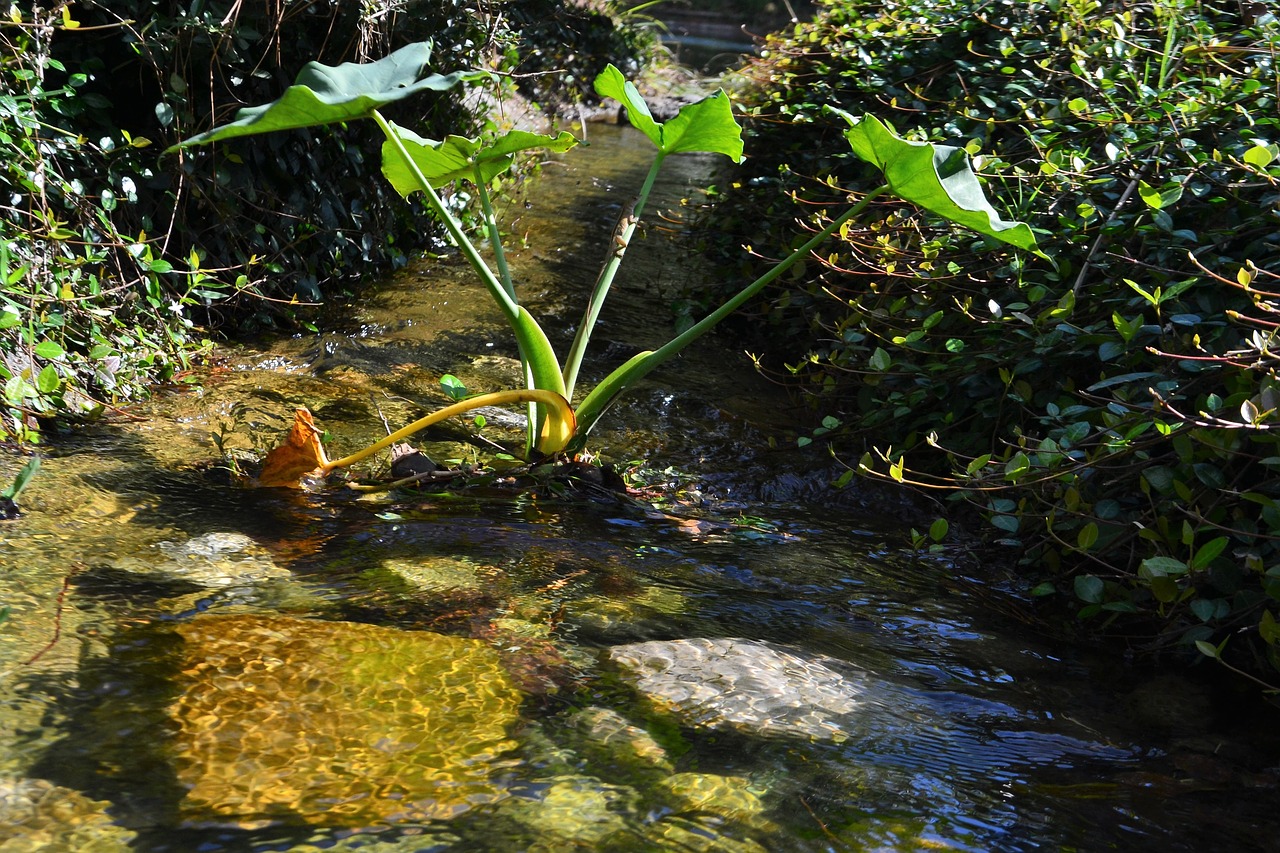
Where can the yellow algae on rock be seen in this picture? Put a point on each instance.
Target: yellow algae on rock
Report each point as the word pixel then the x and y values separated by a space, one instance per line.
pixel 285 720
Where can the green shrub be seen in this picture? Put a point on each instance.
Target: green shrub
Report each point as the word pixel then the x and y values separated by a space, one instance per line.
pixel 1111 414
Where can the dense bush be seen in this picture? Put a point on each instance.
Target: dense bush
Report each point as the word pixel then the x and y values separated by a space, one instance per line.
pixel 1111 414
pixel 117 260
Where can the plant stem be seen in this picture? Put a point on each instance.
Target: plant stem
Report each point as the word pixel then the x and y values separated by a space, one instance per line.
pixel 495 235
pixel 560 426
pixel 591 408
pixel 619 240
pixel 505 300
pixel 543 368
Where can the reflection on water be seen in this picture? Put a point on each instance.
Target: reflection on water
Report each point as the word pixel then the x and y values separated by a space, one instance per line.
pixel 189 665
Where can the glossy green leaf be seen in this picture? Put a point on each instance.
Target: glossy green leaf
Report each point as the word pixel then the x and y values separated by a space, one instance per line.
pixel 24 477
pixel 1260 156
pixel 938 178
pixel 705 126
pixel 1158 566
pixel 1208 552
pixel 48 380
pixel 48 349
pixel 453 387
pixel 457 156
pixel 1208 649
pixel 327 94
pixel 977 464
pixel 1089 588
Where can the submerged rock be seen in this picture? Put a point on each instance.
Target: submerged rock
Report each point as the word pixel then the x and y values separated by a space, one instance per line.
pixel 336 723
pixel 36 815
pixel 610 741
pixel 744 685
pixel 570 813
pixel 216 559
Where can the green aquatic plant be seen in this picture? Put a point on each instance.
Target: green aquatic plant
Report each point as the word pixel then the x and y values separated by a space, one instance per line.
pixel 9 494
pixel 936 177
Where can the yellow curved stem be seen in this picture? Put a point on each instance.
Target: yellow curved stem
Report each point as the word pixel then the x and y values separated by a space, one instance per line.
pixel 557 429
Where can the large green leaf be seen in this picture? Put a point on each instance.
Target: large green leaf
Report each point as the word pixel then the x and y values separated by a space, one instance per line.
pixel 938 178
pixel 707 125
pixel 326 94
pixel 457 156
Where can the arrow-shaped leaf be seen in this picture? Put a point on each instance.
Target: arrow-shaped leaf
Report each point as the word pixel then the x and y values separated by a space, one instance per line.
pixel 938 178
pixel 457 156
pixel 326 94
pixel 707 125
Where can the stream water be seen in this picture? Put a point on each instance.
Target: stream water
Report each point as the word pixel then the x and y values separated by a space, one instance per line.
pixel 739 660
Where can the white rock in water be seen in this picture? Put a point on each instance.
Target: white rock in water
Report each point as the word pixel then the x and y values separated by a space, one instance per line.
pixel 743 684
pixel 214 560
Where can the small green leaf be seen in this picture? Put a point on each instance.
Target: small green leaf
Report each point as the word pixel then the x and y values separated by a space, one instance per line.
pixel 880 359
pixel 1208 552
pixel 453 386
pixel 48 380
pixel 1017 465
pixel 1204 609
pixel 1089 588
pixel 1007 523
pixel 1259 156
pixel 1042 589
pixel 1165 589
pixel 1207 649
pixel 1087 536
pixel 977 464
pixel 49 349
pixel 24 477
pixel 1158 566
pixel 938 530
pixel 1150 195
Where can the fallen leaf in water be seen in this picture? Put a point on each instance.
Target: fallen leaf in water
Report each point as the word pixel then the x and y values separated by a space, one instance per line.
pixel 300 455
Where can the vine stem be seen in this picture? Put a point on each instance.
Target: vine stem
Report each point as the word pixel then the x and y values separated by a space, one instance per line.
pixel 561 427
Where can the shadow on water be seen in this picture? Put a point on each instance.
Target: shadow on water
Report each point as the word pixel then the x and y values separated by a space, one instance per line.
pixel 762 668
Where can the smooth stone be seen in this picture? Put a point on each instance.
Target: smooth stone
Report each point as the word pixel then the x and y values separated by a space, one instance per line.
pixel 740 684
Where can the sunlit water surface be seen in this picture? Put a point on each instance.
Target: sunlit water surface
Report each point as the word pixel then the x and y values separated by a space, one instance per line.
pixel 740 661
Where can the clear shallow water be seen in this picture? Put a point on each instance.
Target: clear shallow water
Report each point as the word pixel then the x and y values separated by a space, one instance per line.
pixel 193 665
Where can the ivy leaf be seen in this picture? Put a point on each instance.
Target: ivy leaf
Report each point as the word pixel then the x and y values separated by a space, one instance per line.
pixel 706 126
pixel 48 380
pixel 938 178
pixel 1088 588
pixel 327 94
pixel 1159 199
pixel 1259 156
